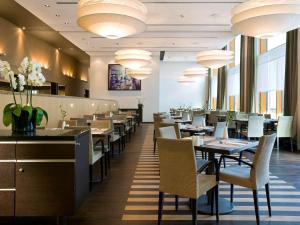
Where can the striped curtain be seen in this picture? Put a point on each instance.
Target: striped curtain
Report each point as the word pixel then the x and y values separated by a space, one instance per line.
pixel 221 87
pixel 247 74
pixel 291 74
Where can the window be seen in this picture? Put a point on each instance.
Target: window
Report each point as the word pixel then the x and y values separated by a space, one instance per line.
pixel 276 41
pixel 237 50
pixel 270 79
pixel 233 88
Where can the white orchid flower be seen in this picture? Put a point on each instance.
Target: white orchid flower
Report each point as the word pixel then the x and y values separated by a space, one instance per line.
pixel 22 82
pixel 25 66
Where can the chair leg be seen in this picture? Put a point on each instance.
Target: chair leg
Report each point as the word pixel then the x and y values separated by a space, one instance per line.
pixel 212 202
pixel 231 192
pixel 292 147
pixel 277 143
pixel 160 206
pixel 105 164
pixel 91 176
pixel 120 146
pixel 224 163
pixel 217 202
pixel 256 207
pixel 102 169
pixel 112 149
pixel 194 211
pixel 267 187
pixel 154 149
pixel 176 202
pixel 108 159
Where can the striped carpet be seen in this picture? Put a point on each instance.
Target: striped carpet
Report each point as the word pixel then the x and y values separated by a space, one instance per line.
pixel 143 197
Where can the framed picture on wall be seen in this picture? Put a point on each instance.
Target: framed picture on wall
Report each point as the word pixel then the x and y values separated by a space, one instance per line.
pixel 118 80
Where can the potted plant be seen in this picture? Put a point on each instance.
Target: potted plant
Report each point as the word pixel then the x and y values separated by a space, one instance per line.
pixel 22 115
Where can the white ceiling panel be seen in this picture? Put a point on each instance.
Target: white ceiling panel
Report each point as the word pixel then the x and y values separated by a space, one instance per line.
pixel 176 26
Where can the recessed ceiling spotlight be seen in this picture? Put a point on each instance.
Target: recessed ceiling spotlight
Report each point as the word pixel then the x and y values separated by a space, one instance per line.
pixel 67 22
pixel 181 15
pixel 59 49
pixel 47 6
pixel 23 28
pixel 57 15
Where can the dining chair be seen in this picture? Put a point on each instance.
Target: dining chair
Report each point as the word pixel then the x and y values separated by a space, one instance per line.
pixel 199 121
pixel 157 119
pixel 285 129
pixel 114 137
pixel 123 130
pixel 212 118
pixel 186 115
pixel 175 127
pixel 255 127
pixel 167 120
pixel 255 176
pixel 179 175
pixel 95 154
pixel 221 131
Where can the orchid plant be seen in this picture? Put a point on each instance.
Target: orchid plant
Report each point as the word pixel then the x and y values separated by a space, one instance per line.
pixel 29 76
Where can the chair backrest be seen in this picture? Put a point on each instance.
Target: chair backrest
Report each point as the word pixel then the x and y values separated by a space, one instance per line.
pixel 157 121
pixel 88 117
pixel 267 116
pixel 242 115
pixel 172 130
pixel 99 115
pixel 255 126
pixel 80 121
pixel 177 164
pixel 119 117
pixel 104 123
pixel 168 121
pixel 199 121
pixel 186 115
pixel 285 126
pixel 260 171
pixel 220 131
pixel 212 117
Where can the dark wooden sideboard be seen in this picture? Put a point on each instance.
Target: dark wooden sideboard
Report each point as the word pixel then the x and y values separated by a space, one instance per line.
pixel 46 174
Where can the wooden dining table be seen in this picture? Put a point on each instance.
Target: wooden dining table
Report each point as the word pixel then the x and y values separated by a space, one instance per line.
pixel 223 147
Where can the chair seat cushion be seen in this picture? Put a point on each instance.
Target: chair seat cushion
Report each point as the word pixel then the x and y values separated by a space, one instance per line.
pixel 236 175
pixel 96 156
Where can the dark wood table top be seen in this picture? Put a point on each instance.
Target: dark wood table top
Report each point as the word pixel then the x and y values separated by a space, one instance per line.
pixel 226 147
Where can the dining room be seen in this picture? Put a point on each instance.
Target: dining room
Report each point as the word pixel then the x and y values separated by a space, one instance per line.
pixel 142 112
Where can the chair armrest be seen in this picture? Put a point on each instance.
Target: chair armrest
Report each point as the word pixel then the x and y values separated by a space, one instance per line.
pixel 207 163
pixel 240 161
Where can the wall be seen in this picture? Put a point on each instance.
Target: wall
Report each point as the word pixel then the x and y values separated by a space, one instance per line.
pixel 17 44
pixel 127 99
pixel 74 106
pixel 174 94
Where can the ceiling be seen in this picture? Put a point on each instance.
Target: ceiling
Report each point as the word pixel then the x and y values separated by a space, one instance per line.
pixel 180 28
pixel 20 17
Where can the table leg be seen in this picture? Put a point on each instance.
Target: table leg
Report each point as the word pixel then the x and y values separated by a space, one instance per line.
pixel 204 202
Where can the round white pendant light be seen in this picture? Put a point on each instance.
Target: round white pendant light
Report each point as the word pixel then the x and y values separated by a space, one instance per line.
pixel 264 19
pixel 112 19
pixel 196 72
pixel 185 80
pixel 133 58
pixel 140 74
pixel 215 59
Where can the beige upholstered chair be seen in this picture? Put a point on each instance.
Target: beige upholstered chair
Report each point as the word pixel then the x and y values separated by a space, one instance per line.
pixel 254 177
pixel 255 127
pixel 199 121
pixel 179 175
pixel 80 121
pixel 157 119
pixel 285 129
